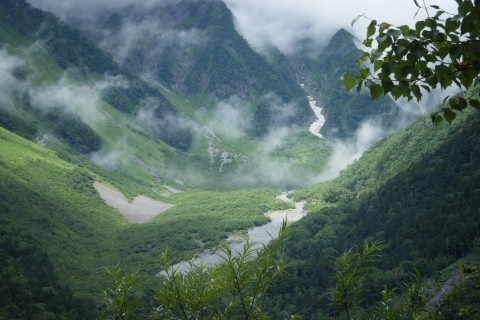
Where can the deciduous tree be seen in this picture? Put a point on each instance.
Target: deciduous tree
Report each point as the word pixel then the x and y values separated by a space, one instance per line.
pixel 440 51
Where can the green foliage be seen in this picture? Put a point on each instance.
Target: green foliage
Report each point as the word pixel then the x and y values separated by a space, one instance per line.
pixel 120 300
pixel 18 125
pixel 77 134
pixel 351 267
pixel 415 189
pixel 344 111
pixel 82 60
pixel 54 202
pixel 68 46
pixel 413 300
pixel 221 64
pixel 441 51
pixel 29 287
pixel 234 289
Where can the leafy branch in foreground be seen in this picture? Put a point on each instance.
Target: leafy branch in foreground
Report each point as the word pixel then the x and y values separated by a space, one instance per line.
pixel 119 298
pixel 234 289
pixel 411 300
pixel 440 51
pixel 351 267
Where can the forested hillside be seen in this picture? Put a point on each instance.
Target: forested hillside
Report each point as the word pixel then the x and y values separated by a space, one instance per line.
pixel 51 216
pixel 167 102
pixel 417 190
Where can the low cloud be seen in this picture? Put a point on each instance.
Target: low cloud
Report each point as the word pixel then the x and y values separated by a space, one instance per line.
pixel 8 82
pixel 288 24
pixel 71 97
pixel 347 151
pixel 85 12
pixel 151 36
pixel 230 119
pixel 114 157
pixel 160 123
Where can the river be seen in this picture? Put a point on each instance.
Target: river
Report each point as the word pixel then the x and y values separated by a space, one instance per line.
pixel 260 235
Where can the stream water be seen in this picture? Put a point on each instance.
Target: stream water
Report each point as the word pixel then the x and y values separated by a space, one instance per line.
pixel 260 235
pixel 317 125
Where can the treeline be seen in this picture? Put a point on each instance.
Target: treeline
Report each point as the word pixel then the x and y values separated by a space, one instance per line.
pixel 418 190
pixel 29 288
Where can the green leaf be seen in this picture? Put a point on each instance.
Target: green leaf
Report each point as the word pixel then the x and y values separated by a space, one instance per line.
pixel 419 26
pixel 368 43
pixel 431 23
pixel 457 103
pixel 406 70
pixel 449 115
pixel 416 92
pixel 372 28
pixel 377 65
pixel 387 85
pixel 364 72
pixel 405 29
pixel 456 51
pixel 387 68
pixel 475 103
pixel 394 33
pixel 436 119
pixel 364 56
pixel 396 92
pixel 375 90
pixel 348 82
pixel 426 88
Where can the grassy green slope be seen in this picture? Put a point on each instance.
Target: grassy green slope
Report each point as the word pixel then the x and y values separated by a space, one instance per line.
pixel 54 202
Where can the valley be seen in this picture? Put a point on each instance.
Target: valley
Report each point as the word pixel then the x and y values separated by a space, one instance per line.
pixel 143 129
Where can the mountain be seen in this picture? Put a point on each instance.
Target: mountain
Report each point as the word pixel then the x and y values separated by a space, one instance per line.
pixel 170 104
pixel 73 51
pixel 417 190
pixel 344 111
pixel 193 47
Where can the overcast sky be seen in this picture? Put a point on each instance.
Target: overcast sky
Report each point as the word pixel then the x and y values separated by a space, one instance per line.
pixel 281 23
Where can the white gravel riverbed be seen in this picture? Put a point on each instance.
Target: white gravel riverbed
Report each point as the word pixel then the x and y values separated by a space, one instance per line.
pixel 260 235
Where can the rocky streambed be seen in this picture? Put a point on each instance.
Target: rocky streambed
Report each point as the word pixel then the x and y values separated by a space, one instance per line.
pixel 260 235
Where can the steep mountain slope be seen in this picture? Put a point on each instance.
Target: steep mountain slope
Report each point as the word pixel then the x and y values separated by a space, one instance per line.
pixel 193 47
pixel 417 189
pixel 344 111
pixel 71 50
pixel 74 92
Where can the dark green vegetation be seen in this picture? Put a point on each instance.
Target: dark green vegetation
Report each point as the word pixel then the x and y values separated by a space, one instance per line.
pixel 441 51
pixel 235 289
pixel 418 190
pixel 30 289
pixel 52 204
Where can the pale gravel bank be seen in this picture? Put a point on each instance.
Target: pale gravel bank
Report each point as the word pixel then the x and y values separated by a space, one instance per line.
pixel 140 210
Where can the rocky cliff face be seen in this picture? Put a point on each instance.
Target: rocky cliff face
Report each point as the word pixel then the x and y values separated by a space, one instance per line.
pixel 193 47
